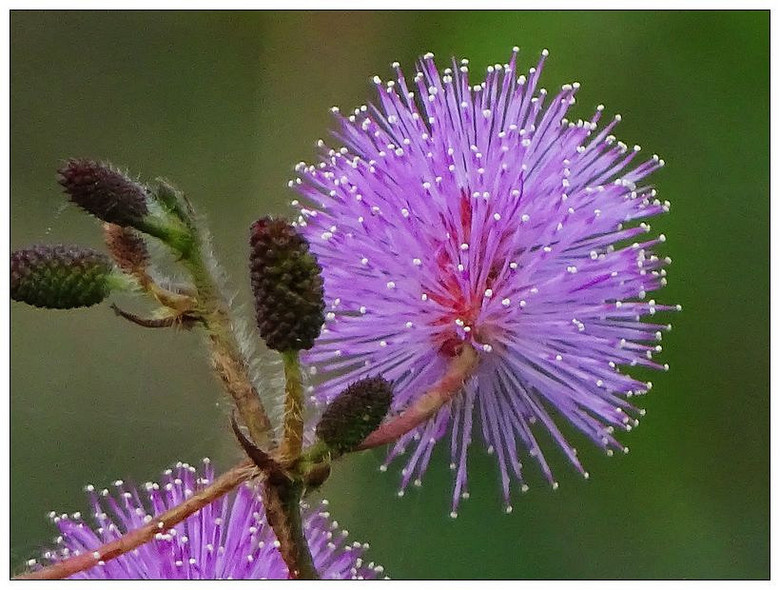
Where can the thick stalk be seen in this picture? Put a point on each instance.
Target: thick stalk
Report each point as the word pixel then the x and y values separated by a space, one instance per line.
pixel 73 565
pixel 428 404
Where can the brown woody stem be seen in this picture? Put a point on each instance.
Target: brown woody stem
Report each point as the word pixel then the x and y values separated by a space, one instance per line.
pixel 78 563
pixel 233 372
pixel 227 359
pixel 428 404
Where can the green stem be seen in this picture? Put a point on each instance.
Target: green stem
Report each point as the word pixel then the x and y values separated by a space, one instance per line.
pixel 316 453
pixel 177 235
pixel 120 281
pixel 283 496
pixel 283 511
pixel 292 442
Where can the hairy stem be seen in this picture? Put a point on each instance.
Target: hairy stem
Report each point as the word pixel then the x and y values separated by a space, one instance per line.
pixel 283 496
pixel 293 408
pixel 78 563
pixel 428 404
pixel 227 359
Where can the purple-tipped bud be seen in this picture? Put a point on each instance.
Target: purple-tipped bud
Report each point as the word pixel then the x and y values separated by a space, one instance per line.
pixel 104 192
pixel 127 248
pixel 355 413
pixel 60 277
pixel 287 285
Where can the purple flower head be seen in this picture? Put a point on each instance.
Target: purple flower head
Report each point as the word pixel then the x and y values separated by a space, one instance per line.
pixel 479 215
pixel 227 539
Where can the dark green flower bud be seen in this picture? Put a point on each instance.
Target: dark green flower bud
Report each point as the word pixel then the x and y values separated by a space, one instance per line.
pixel 60 277
pixel 104 192
pixel 287 286
pixel 355 413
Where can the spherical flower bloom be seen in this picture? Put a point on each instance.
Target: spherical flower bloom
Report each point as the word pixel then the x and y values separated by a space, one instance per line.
pixel 479 215
pixel 227 539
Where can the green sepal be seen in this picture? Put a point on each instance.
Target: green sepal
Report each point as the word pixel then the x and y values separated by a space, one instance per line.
pixel 171 199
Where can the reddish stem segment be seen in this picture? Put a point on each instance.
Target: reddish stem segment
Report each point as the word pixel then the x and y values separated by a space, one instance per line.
pixel 78 563
pixel 428 404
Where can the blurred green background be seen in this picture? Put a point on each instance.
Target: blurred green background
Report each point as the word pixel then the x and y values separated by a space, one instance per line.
pixel 225 103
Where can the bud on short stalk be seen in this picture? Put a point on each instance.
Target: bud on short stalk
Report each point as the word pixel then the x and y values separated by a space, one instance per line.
pixel 287 286
pixel 355 413
pixel 63 277
pixel 113 197
pixel 104 192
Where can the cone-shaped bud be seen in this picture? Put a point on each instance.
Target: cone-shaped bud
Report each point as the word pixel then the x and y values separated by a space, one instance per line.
pixel 104 192
pixel 60 277
pixel 355 413
pixel 127 248
pixel 287 286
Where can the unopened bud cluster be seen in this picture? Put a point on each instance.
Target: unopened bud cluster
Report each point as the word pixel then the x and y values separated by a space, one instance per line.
pixel 60 277
pixel 104 192
pixel 355 413
pixel 287 286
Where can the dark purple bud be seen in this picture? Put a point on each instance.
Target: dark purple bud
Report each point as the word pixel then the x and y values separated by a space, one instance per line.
pixel 287 286
pixel 104 192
